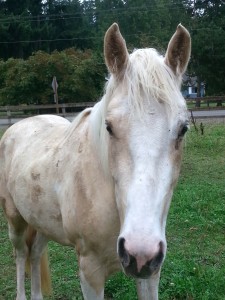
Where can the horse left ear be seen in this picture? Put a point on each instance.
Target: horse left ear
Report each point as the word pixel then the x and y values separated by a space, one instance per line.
pixel 179 51
pixel 115 50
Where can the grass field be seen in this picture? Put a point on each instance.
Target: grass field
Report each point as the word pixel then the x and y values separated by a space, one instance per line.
pixel 195 263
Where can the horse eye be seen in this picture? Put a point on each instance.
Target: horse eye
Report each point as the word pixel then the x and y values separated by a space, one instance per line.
pixel 109 128
pixel 183 130
pixel 181 133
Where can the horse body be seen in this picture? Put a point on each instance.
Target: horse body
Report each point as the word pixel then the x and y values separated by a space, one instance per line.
pixel 47 198
pixel 26 187
pixel 103 183
pixel 60 204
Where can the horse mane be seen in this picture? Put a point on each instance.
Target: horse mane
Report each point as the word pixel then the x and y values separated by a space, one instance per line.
pixel 146 77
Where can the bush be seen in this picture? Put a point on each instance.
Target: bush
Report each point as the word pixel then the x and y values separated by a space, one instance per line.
pixel 80 76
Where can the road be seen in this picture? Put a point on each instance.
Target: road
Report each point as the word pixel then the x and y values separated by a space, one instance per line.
pixel 198 114
pixel 220 113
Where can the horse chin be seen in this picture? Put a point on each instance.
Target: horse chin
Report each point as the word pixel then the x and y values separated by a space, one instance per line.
pixel 145 272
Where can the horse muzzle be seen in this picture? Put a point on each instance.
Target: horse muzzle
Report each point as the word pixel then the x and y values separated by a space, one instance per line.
pixel 140 265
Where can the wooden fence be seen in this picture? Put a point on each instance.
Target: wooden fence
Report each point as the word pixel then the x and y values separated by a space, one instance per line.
pixel 216 102
pixel 22 111
pixel 69 109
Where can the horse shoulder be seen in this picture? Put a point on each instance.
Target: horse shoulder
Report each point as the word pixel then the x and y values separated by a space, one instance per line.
pixel 90 215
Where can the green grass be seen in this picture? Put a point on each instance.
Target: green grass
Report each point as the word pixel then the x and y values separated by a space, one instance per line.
pixel 195 263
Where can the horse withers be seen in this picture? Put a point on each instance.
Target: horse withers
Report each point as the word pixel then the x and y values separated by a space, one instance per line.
pixel 103 183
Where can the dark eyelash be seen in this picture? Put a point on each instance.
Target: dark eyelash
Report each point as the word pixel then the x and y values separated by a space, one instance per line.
pixel 183 130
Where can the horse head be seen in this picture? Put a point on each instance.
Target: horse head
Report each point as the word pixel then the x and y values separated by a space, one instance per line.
pixel 145 120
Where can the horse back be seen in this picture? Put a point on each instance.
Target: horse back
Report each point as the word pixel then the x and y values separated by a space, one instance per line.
pixel 29 140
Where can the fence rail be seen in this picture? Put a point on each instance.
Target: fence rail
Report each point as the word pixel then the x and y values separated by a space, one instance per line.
pixel 68 109
pixel 201 103
pixel 29 110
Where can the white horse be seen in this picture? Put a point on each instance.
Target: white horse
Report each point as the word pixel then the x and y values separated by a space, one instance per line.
pixel 103 183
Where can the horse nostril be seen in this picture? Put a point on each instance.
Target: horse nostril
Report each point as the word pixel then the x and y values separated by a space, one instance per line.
pixel 157 260
pixel 161 246
pixel 124 256
pixel 160 256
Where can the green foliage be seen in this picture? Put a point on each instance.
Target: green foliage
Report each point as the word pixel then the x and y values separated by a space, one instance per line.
pixel 30 26
pixel 208 44
pixel 80 75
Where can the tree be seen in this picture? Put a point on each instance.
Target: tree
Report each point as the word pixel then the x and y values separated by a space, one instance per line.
pixel 80 75
pixel 29 26
pixel 32 25
pixel 208 44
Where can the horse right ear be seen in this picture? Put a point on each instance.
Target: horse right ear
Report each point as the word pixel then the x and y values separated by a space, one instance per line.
pixel 115 50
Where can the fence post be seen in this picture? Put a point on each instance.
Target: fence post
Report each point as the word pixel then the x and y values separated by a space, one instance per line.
pixel 55 87
pixel 63 110
pixel 9 116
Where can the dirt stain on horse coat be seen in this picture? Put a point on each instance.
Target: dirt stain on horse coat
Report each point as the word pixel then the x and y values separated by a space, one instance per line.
pixel 35 176
pixel 36 192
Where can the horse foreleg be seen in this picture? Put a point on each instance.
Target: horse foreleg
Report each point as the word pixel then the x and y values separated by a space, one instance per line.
pixel 147 289
pixel 21 252
pixel 37 249
pixel 92 278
